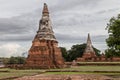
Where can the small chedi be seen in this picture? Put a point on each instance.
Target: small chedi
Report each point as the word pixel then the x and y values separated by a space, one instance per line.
pixel 89 54
pixel 44 52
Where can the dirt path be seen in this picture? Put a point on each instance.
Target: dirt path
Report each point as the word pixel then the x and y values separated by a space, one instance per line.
pixel 66 77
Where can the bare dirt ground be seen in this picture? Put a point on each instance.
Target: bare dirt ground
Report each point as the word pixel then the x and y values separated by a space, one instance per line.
pixel 67 77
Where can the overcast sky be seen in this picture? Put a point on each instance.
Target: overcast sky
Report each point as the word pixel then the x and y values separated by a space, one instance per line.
pixel 72 20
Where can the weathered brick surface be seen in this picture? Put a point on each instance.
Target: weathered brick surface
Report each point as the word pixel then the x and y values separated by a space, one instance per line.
pixel 44 52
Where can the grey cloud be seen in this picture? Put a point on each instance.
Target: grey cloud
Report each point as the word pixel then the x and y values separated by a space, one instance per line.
pixel 66 17
pixel 99 38
pixel 19 28
pixel 72 20
pixel 80 39
pixel 17 38
pixel 69 5
pixel 11 26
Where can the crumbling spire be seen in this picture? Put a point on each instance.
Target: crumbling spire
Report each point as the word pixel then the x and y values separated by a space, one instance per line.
pixel 89 51
pixel 45 30
pixel 89 45
pixel 45 10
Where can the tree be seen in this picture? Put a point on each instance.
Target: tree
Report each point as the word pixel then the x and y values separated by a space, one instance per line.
pixel 12 60
pixel 20 60
pixel 78 50
pixel 113 41
pixel 16 60
pixel 64 52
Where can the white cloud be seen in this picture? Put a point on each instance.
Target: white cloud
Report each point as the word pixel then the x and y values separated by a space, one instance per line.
pixel 10 8
pixel 10 49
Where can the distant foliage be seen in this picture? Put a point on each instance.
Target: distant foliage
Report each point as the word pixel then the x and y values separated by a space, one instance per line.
pixel 5 60
pixel 64 52
pixel 16 60
pixel 113 41
pixel 76 51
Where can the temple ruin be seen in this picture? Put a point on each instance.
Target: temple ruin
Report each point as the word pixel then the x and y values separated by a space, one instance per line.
pixel 89 54
pixel 44 52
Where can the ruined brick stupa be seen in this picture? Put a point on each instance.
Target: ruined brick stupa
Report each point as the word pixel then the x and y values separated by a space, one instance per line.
pixel 44 52
pixel 89 51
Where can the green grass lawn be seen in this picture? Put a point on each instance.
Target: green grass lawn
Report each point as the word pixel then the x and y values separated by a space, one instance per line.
pixel 98 68
pixel 99 63
pixel 70 73
pixel 6 72
pixel 89 70
pixel 93 68
pixel 17 73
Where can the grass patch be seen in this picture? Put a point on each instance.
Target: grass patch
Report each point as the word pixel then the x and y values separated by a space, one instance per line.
pixel 17 73
pixel 92 68
pixel 70 73
pixel 6 72
pixel 98 68
pixel 98 63
pixel 110 70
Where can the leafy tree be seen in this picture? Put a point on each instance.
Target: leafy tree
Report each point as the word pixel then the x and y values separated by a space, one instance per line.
pixel 64 52
pixel 12 60
pixel 16 60
pixel 113 41
pixel 20 60
pixel 97 51
pixel 78 50
pixel 4 60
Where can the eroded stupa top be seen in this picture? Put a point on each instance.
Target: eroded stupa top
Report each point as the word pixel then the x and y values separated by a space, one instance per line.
pixel 45 30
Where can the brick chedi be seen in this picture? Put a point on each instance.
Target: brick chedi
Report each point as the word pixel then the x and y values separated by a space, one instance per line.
pixel 44 52
pixel 89 51
pixel 89 54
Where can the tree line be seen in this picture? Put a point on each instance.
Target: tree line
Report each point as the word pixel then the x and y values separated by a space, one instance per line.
pixel 13 60
pixel 76 51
